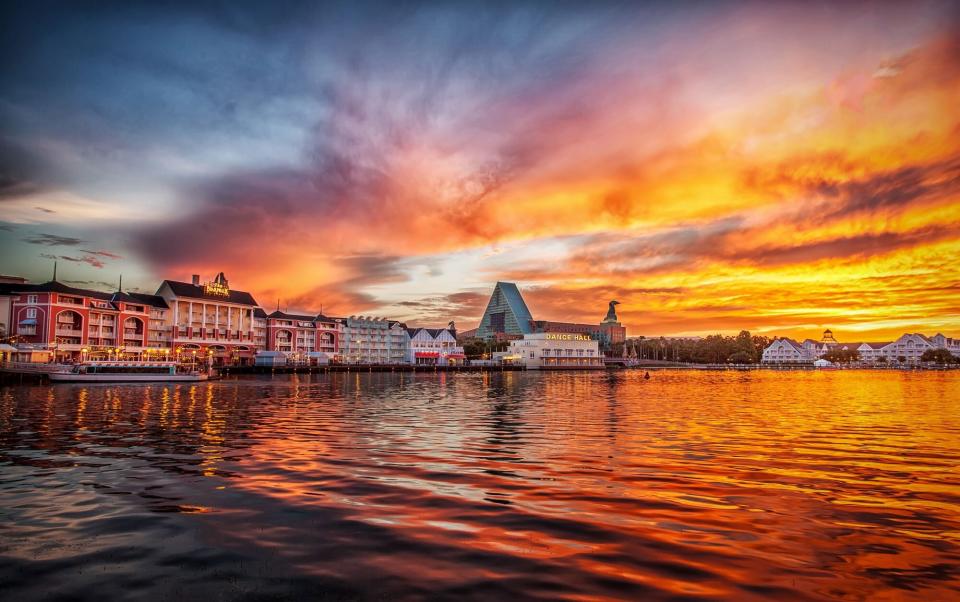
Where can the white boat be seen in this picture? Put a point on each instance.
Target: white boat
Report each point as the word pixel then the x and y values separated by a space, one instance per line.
pixel 127 372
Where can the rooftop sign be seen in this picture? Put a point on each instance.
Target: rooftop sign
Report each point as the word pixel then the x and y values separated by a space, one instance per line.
pixel 216 288
pixel 568 337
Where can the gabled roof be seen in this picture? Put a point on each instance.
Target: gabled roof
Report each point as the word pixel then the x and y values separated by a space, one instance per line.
pixel 57 287
pixel 193 291
pixel 875 345
pixel 152 300
pixel 433 332
pixel 280 315
pixel 259 313
pixel 139 298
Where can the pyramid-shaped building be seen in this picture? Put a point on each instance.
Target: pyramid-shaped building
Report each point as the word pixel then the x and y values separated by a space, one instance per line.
pixel 506 313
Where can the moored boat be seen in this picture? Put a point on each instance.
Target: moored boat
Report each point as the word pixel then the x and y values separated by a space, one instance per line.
pixel 106 371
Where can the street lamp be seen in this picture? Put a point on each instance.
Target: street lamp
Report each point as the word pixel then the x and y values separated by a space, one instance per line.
pixel 83 354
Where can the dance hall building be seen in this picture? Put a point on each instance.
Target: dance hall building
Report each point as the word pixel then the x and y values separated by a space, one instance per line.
pixel 507 317
pixel 550 350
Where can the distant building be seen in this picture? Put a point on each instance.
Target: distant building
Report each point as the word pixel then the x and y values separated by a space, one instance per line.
pixel 368 340
pixel 910 347
pixel 434 347
pixel 507 317
pixel 547 350
pixel 788 351
pixel 506 314
pixel 303 335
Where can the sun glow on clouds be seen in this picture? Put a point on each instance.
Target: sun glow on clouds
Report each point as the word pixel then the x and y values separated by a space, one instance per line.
pixel 777 168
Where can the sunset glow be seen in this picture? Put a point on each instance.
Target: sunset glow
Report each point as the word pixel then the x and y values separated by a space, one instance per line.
pixel 777 168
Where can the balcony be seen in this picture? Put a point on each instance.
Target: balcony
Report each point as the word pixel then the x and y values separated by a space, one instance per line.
pixel 69 332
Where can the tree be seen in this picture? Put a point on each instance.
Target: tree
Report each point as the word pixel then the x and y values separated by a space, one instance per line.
pixel 882 359
pixel 902 359
pixel 842 356
pixel 939 356
pixel 740 357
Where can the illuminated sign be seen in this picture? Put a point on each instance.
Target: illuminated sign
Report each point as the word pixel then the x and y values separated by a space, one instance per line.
pixel 216 288
pixel 567 337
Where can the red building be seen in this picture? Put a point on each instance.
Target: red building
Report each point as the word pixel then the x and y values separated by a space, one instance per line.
pixel 299 334
pixel 73 323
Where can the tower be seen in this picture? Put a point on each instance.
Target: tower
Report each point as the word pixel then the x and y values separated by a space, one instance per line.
pixel 828 337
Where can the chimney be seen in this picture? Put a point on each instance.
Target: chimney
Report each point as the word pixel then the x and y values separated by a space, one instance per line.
pixel 196 280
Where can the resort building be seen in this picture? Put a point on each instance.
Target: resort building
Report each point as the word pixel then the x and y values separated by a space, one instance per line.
pixel 910 347
pixel 507 317
pixel 210 319
pixel 545 350
pixel 872 352
pixel 788 351
pixel 73 323
pixel 367 340
pixel 303 336
pixel 434 347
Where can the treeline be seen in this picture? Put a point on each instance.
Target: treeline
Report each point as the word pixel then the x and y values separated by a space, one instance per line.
pixel 714 349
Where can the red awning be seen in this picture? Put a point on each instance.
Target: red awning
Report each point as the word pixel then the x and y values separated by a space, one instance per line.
pixel 456 355
pixel 426 354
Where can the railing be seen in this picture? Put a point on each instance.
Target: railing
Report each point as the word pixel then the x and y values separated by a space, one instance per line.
pixel 70 332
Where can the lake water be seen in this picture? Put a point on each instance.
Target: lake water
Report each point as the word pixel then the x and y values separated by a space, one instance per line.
pixel 692 485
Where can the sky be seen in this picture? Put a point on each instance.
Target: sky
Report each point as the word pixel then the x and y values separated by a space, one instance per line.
pixel 772 166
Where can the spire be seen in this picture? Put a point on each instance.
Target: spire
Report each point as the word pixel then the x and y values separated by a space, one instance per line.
pixel 54 271
pixel 120 285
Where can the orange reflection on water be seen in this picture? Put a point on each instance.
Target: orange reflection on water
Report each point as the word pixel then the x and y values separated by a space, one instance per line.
pixel 600 486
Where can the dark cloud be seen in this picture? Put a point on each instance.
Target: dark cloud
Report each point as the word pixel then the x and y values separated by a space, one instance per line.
pixel 107 254
pixel 93 283
pixel 53 240
pixel 87 259
pixel 877 193
pixel 463 307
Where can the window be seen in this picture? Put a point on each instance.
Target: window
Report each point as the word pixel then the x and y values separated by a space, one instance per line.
pixel 31 298
pixel 32 312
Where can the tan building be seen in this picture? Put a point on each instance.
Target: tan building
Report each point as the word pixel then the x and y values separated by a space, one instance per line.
pixel 547 350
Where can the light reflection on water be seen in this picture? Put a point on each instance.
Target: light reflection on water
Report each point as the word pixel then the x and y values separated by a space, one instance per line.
pixel 793 485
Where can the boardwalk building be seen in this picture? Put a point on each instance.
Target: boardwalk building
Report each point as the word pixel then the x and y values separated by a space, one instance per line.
pixel 211 319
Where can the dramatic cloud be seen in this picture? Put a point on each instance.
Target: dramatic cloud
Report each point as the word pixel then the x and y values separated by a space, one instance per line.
pixel 106 254
pixel 53 240
pixel 711 166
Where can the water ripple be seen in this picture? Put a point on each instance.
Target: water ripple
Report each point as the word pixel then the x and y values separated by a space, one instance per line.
pixel 598 486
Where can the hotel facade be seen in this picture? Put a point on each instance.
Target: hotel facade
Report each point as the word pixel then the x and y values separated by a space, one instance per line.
pixel 555 351
pixel 203 322
pixel 909 348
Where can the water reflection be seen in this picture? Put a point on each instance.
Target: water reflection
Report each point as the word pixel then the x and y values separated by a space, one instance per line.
pixel 504 486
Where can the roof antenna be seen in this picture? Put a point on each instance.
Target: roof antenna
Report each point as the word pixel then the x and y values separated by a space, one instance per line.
pixel 120 286
pixel 54 271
